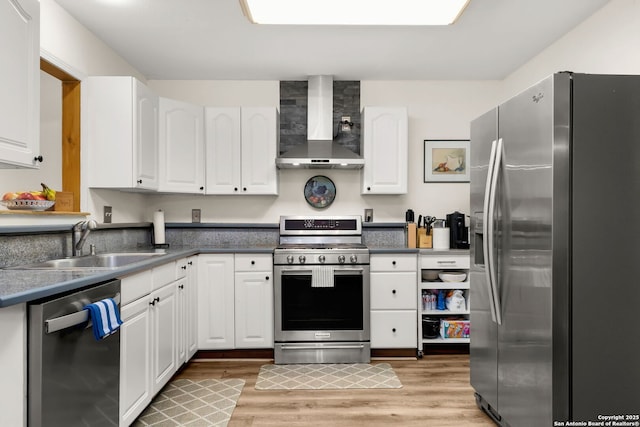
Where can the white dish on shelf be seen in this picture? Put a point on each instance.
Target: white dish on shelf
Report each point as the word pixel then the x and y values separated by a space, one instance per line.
pixel 28 205
pixel 452 276
pixel 430 275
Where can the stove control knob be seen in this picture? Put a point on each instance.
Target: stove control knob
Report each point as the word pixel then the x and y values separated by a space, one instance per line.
pixel 290 259
pixel 321 258
pixel 302 259
pixel 341 259
pixel 353 259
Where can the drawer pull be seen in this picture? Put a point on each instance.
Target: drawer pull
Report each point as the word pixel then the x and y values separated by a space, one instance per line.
pixel 393 262
pixel 394 330
pixel 393 291
pixel 446 262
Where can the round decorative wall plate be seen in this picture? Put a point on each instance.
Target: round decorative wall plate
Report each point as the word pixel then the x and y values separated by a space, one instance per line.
pixel 319 191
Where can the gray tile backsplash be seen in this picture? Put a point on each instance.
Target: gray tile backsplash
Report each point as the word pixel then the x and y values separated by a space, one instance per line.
pixel 293 113
pixel 36 247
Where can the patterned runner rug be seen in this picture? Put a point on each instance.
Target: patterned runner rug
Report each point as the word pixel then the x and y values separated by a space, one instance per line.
pixel 193 403
pixel 326 376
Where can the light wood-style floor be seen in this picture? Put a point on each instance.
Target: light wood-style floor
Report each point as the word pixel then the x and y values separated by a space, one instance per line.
pixel 436 393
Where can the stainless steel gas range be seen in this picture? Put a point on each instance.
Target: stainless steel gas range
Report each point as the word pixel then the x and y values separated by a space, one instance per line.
pixel 321 272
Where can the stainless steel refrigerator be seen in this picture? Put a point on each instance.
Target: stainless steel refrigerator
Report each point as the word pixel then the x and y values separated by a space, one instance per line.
pixel 555 272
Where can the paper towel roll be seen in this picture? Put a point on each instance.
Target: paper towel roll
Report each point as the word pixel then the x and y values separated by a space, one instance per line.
pixel 441 238
pixel 158 227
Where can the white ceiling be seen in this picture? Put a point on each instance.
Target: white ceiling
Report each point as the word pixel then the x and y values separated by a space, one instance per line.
pixel 212 40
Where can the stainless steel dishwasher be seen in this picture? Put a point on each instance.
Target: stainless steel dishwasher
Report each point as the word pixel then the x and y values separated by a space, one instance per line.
pixel 73 379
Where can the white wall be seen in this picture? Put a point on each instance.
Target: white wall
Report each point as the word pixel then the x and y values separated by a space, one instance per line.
pixel 606 43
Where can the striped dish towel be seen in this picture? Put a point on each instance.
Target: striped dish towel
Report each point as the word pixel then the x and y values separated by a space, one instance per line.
pixel 105 316
pixel 322 277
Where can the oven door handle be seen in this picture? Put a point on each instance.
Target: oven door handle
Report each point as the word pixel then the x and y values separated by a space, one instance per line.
pixel 324 347
pixel 300 271
pixel 337 271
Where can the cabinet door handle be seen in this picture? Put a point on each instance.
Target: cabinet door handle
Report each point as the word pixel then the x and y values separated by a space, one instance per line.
pixel 181 286
pixel 201 188
pixel 190 263
pixel 393 291
pixel 244 188
pixel 139 181
pixel 266 278
pixel 38 159
pixel 393 330
pixel 235 188
pixel 253 262
pixel 393 263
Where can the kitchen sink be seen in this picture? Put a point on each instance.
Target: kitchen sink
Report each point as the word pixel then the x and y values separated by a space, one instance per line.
pixel 104 261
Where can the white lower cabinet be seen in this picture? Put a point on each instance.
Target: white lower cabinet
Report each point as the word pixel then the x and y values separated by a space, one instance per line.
pixel 393 300
pixel 186 294
pixel 135 360
pixel 253 301
pixel 164 320
pixel 215 302
pixel 235 301
pixel 149 335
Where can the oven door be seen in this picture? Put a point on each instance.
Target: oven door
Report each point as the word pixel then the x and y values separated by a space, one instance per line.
pixel 304 313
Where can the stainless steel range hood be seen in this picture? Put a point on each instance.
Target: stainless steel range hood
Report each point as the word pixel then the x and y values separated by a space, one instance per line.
pixel 320 151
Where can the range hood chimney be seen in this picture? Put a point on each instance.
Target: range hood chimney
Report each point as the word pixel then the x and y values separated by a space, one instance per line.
pixel 320 151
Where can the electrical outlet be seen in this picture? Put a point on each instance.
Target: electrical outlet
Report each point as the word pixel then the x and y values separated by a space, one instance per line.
pixel 346 124
pixel 106 215
pixel 368 215
pixel 195 215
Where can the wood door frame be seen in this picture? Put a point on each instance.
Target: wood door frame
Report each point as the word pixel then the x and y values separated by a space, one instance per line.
pixel 70 138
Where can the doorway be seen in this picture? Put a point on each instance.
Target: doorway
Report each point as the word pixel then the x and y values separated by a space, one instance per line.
pixel 70 137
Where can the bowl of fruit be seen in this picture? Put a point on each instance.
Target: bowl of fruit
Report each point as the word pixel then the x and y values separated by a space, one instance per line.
pixel 30 200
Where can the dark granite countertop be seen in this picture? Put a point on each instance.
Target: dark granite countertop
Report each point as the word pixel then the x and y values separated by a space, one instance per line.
pixel 391 250
pixel 18 286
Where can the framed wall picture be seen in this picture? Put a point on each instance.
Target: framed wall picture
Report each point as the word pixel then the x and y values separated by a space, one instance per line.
pixel 446 160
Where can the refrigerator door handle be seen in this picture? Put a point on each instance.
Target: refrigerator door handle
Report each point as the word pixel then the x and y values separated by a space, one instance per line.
pixel 485 229
pixel 489 223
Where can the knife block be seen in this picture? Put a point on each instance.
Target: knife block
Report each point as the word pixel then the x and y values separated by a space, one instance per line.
pixel 411 235
pixel 425 241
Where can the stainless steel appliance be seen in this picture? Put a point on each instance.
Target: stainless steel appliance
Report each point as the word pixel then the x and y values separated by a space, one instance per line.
pixel 73 380
pixel 321 150
pixel 321 271
pixel 553 335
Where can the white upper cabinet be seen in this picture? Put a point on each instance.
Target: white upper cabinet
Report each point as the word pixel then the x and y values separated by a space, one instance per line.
pixel 222 136
pixel 20 83
pixel 385 150
pixel 241 148
pixel 259 150
pixel 181 153
pixel 121 133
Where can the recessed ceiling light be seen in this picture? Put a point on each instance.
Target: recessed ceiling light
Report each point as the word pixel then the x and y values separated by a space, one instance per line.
pixel 353 12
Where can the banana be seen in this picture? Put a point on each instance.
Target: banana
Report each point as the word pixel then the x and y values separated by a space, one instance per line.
pixel 49 193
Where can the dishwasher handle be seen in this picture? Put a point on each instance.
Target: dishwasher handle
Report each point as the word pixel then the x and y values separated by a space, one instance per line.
pixel 63 322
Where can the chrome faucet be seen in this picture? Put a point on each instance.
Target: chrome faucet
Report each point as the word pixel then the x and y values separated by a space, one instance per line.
pixel 80 232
